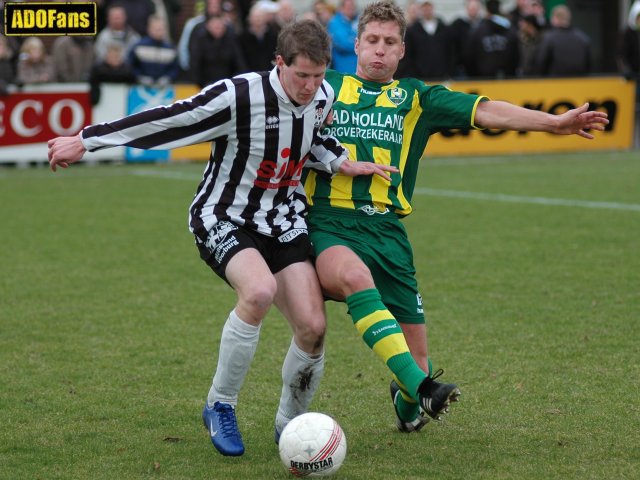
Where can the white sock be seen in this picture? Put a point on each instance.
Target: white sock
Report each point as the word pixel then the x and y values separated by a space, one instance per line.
pixel 238 344
pixel 301 374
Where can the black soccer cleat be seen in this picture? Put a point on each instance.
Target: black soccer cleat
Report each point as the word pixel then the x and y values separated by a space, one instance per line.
pixel 407 427
pixel 435 397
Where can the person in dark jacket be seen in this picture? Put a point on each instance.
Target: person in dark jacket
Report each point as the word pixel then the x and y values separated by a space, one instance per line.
pixel 629 47
pixel 258 40
pixel 138 13
pixel 154 60
pixel 428 51
pixel 529 36
pixel 215 53
pixel 460 32
pixel 113 69
pixel 493 46
pixel 564 51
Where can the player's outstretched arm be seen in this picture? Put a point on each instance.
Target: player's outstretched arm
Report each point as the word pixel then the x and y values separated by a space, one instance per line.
pixel 506 116
pixel 352 169
pixel 63 151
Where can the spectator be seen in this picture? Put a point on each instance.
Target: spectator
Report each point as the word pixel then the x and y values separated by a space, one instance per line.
pixel 72 58
pixel 322 11
pixel 117 31
pixel 212 7
pixel 342 29
pixel 258 40
pixel 272 8
pixel 412 12
pixel 519 11
pixel 34 64
pixel 564 51
pixel 168 10
pixel 427 47
pixel 231 16
pixel 215 53
pixel 154 60
pixel 460 31
pixel 536 8
pixel 529 36
pixel 493 46
pixel 7 73
pixel 243 7
pixel 629 47
pixel 113 69
pixel 138 13
pixel 286 13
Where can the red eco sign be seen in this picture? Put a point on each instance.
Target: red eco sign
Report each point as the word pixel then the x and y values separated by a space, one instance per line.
pixel 37 117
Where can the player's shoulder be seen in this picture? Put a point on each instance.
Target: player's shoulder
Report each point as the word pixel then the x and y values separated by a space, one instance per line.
pixel 333 76
pixel 417 84
pixel 252 77
pixel 423 89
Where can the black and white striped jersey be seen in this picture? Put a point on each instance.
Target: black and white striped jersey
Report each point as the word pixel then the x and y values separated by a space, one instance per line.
pixel 261 140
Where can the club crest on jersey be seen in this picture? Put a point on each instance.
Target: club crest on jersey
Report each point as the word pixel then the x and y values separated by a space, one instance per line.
pixel 272 122
pixel 318 120
pixel 396 95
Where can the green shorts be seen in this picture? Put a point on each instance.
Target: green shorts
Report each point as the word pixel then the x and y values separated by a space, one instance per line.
pixel 381 242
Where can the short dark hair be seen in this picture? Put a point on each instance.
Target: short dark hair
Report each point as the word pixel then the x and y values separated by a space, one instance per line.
pixel 307 38
pixel 385 11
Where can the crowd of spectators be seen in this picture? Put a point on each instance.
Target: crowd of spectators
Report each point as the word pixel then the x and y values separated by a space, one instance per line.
pixel 139 41
pixel 487 42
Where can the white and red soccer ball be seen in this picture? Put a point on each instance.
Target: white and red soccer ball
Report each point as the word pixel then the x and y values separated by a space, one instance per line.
pixel 312 445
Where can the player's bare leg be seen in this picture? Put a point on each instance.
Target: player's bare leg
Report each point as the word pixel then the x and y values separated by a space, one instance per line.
pixel 300 301
pixel 343 274
pixel 256 287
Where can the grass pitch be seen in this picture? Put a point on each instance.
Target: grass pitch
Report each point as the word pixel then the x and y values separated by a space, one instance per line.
pixel 530 271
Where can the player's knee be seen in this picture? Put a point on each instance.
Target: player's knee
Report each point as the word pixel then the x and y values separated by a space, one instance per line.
pixel 259 298
pixel 311 334
pixel 356 279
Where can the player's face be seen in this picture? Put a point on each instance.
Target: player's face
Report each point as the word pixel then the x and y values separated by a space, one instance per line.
pixel 301 79
pixel 379 49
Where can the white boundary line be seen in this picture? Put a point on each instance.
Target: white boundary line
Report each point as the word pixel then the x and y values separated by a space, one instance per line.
pixel 498 197
pixel 172 175
pixel 433 192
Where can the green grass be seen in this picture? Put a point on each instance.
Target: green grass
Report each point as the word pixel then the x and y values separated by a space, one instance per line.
pixel 109 327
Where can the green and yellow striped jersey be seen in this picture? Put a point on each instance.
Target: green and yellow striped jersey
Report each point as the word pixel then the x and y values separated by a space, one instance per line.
pixel 388 124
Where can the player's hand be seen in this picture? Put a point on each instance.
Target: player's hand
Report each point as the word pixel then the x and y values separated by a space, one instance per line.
pixel 329 120
pixel 352 169
pixel 63 151
pixel 579 119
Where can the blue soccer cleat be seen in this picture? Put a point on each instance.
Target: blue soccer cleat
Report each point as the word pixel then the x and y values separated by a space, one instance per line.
pixel 221 422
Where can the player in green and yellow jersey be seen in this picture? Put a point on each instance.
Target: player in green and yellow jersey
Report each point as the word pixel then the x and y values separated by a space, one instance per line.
pixel 363 255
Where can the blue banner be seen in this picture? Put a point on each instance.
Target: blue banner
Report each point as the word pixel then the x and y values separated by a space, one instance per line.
pixel 143 98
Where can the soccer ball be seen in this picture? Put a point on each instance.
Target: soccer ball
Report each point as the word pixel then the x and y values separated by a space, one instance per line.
pixel 312 445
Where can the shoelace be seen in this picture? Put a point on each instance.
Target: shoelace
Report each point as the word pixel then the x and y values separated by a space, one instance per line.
pixel 437 373
pixel 228 423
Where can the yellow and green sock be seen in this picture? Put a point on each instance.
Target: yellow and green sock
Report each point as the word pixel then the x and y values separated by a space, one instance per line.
pixel 406 406
pixel 382 333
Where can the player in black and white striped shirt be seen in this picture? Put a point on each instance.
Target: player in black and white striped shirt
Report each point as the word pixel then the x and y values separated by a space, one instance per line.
pixel 247 212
